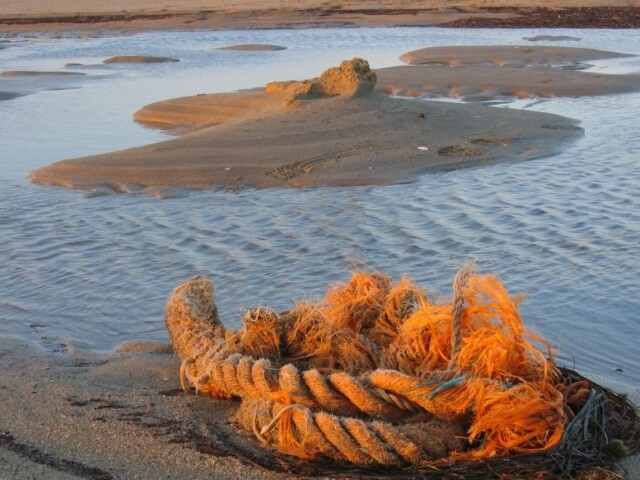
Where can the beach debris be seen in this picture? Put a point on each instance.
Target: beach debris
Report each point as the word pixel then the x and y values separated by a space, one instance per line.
pixel 376 374
pixel 352 78
pixel 459 151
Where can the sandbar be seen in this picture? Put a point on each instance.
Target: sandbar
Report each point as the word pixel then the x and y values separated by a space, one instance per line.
pixel 139 59
pixel 256 139
pixel 507 55
pixel 340 141
pixel 500 72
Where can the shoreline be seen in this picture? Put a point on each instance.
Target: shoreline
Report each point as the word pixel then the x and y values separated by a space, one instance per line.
pixel 193 15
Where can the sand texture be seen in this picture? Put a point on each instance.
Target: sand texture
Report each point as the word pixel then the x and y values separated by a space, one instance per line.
pixel 338 141
pixel 484 83
pixel 75 414
pixel 207 110
pixel 486 73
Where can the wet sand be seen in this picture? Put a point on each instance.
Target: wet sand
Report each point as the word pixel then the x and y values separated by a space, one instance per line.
pixel 71 413
pixel 257 139
pixel 337 141
pixel 483 73
pixel 78 414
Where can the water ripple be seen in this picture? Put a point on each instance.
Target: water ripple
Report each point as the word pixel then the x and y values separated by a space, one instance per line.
pixel 564 229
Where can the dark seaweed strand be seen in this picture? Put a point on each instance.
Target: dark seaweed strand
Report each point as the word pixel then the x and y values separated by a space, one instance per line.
pixel 8 442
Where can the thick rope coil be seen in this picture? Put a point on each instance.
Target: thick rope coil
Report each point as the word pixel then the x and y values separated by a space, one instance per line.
pixel 223 374
pixel 434 376
pixel 297 429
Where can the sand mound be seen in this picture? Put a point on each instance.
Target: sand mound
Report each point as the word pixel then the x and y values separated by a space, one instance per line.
pixel 506 55
pixel 363 140
pixel 352 78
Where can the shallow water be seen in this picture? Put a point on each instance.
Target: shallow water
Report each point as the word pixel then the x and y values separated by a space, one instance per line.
pixel 564 229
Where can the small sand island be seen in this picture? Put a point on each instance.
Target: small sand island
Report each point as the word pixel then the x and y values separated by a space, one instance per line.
pixel 503 72
pixel 332 130
pixel 139 59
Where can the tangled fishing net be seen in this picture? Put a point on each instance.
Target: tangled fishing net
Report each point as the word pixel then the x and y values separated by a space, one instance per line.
pixel 378 376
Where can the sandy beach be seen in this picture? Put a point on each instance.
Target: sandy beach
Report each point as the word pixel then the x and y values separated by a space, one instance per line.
pixel 69 412
pixel 77 414
pixel 73 413
pixel 195 14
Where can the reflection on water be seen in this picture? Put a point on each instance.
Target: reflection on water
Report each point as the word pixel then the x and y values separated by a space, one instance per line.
pixel 564 229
